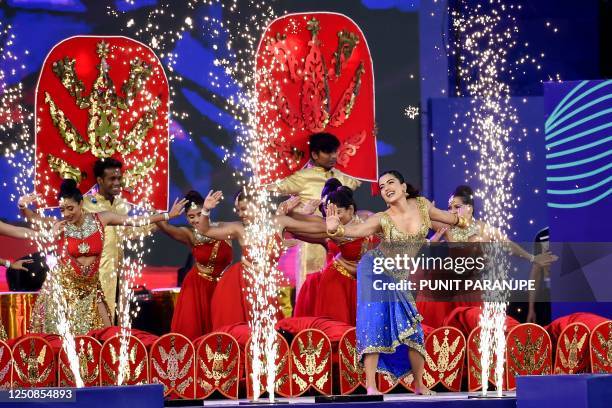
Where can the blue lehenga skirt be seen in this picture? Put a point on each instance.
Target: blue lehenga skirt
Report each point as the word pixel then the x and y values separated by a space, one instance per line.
pixel 388 321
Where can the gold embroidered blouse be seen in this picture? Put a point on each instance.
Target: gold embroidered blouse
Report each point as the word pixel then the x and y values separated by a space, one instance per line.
pixel 393 234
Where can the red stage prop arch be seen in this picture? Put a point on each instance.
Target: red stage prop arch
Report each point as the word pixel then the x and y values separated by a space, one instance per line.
pixel 100 97
pixel 316 75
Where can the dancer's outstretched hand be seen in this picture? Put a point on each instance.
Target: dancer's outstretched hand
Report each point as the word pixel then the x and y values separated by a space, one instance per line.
pixel 18 265
pixel 309 207
pixel 437 237
pixel 545 259
pixel 26 200
pixel 332 221
pixel 177 208
pixel 286 206
pixel 212 199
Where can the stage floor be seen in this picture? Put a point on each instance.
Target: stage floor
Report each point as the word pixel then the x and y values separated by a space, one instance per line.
pixel 440 400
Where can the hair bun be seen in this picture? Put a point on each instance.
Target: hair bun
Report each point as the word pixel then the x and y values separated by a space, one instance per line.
pixel 194 196
pixel 69 189
pixel 346 190
pixel 332 183
pixel 464 191
pixel 68 186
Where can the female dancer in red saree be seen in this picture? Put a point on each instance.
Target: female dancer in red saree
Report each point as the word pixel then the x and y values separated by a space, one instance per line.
pixel 230 304
pixel 334 292
pixel 80 239
pixel 307 295
pixel 192 317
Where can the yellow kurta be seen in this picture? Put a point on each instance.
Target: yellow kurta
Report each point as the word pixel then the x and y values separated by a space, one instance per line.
pixel 308 184
pixel 112 254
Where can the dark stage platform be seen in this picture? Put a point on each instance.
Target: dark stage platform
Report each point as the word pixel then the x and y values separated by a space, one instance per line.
pixel 556 391
pixel 440 400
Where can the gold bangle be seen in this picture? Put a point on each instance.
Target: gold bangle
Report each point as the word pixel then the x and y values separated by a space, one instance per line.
pixel 462 222
pixel 339 232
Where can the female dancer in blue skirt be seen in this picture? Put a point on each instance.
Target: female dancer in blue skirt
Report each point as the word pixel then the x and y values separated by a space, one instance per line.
pixel 388 323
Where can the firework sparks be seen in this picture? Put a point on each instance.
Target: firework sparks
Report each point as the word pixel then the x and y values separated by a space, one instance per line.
pixel 19 152
pixel 485 36
pixel 411 112
pixel 240 33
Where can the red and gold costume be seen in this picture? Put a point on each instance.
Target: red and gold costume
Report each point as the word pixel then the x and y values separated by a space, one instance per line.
pixel 101 97
pixel 332 292
pixel 337 291
pixel 80 284
pixel 436 307
pixel 230 304
pixel 308 184
pixel 192 313
pixel 111 259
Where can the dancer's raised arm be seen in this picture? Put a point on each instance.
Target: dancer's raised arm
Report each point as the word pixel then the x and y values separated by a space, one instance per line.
pixel 180 234
pixel 110 218
pixel 492 234
pixel 335 228
pixel 445 217
pixel 16 232
pixel 222 230
pixel 31 215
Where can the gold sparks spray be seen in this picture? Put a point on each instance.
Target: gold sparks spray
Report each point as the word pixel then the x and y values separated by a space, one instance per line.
pixel 261 274
pixel 485 34
pixel 238 32
pixel 18 150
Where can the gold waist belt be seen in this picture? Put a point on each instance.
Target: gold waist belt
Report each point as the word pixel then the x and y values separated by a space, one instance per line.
pixel 343 270
pixel 206 272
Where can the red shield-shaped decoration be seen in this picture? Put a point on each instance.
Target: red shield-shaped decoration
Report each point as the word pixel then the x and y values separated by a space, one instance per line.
pixel 34 363
pixel 217 366
pixel 172 361
pixel 88 353
pixel 350 368
pixel 601 348
pixel 137 370
pixel 6 365
pixel 312 362
pixel 445 348
pixel 315 74
pixel 572 355
pixel 528 352
pixel 100 97
pixel 283 369
pixel 474 365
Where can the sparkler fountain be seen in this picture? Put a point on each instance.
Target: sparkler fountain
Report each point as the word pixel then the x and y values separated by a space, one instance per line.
pixel 262 274
pixel 485 35
pixel 19 153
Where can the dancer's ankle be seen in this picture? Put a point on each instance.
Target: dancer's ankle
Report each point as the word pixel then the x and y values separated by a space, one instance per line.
pixel 373 391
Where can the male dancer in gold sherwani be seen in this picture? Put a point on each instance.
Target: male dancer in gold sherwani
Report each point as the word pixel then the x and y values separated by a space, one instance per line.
pixel 308 184
pixel 109 176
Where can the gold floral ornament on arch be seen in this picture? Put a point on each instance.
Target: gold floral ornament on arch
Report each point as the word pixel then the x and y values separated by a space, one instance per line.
pixel 103 105
pixel 83 117
pixel 316 76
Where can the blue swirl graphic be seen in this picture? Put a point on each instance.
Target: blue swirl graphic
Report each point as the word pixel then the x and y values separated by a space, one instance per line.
pixel 578 154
